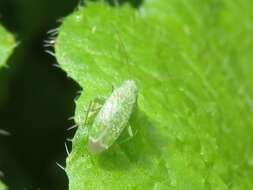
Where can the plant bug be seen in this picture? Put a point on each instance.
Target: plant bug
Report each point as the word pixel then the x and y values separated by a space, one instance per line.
pixel 113 117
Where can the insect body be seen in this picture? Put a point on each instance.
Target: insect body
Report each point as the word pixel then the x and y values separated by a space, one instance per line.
pixel 113 117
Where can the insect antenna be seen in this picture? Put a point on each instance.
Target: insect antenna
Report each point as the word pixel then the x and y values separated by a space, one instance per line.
pixel 124 55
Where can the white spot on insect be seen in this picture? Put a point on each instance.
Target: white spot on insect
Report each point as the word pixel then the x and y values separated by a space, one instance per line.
pixel 113 117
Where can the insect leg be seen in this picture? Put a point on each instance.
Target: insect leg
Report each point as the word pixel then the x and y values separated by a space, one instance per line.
pixel 93 108
pixel 130 131
pixel 131 134
pixel 112 88
pixel 87 112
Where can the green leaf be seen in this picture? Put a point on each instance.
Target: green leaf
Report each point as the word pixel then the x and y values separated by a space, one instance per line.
pixel 191 60
pixel 7 43
pixel 2 186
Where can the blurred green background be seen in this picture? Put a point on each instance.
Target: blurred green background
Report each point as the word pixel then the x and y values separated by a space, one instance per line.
pixel 36 98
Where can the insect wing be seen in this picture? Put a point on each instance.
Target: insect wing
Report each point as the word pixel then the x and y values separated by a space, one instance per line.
pixel 113 117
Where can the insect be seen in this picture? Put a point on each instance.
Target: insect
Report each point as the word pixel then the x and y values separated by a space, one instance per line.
pixel 113 117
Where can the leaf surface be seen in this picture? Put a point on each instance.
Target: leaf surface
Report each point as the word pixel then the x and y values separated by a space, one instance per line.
pixel 191 60
pixel 7 43
pixel 2 186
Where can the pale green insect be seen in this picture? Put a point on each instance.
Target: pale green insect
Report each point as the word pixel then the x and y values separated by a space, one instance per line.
pixel 113 117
